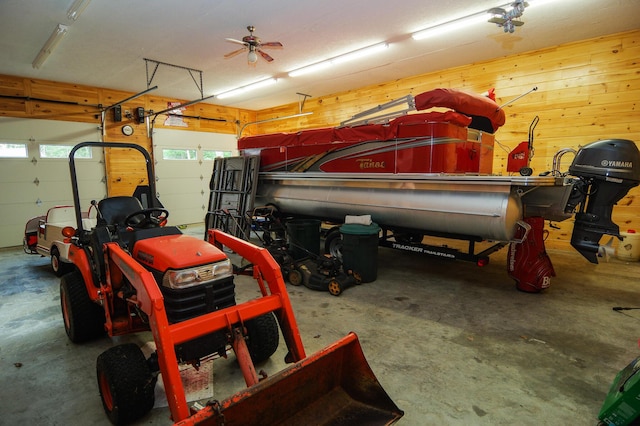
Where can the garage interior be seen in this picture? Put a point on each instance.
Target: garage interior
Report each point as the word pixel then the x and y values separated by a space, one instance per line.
pixel 450 341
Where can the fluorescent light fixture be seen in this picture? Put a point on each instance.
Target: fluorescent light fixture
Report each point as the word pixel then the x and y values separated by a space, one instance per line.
pixel 446 27
pixel 536 3
pixel 356 54
pixel 361 53
pixel 77 8
pixel 247 88
pixel 50 45
pixel 311 68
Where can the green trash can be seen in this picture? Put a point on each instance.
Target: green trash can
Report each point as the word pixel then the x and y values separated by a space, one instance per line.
pixel 360 250
pixel 303 237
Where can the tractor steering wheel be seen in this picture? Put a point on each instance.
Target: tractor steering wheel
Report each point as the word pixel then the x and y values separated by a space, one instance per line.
pixel 147 217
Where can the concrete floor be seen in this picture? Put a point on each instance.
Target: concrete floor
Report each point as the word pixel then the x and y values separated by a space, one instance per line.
pixel 452 343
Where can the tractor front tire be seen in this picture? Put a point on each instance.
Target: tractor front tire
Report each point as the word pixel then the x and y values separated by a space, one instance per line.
pixel 262 337
pixel 83 319
pixel 126 383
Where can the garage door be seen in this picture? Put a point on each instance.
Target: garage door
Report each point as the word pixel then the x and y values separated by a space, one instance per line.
pixel 184 163
pixel 34 170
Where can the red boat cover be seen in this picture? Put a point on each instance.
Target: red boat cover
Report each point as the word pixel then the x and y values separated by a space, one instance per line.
pixel 433 116
pixel 462 102
pixel 363 133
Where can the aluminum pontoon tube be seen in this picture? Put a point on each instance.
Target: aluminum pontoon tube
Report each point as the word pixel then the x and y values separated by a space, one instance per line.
pixel 483 206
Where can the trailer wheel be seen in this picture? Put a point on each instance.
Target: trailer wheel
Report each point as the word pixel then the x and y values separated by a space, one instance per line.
pixel 125 382
pixel 83 319
pixel 263 337
pixel 333 243
pixel 408 237
pixel 59 267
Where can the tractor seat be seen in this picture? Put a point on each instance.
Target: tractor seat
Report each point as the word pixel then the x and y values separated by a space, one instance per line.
pixel 114 210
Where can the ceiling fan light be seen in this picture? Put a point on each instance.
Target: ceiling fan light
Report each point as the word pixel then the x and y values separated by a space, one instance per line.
pixel 252 57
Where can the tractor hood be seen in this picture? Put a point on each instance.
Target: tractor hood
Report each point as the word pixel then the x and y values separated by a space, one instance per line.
pixel 175 252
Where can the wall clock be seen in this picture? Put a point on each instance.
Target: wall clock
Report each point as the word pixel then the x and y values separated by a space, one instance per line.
pixel 127 130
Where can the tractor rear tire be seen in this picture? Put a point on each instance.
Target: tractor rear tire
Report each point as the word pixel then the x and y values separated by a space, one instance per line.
pixel 263 337
pixel 83 319
pixel 126 383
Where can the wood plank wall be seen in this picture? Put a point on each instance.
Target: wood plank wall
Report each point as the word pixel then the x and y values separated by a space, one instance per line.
pixel 587 91
pixel 33 98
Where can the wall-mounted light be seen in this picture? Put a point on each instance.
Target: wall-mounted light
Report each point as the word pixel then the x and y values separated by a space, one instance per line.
pixel 249 87
pixel 50 45
pixel 356 54
pixel 76 9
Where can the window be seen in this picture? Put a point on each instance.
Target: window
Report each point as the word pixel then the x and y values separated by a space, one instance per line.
pixel 62 151
pixel 210 155
pixel 13 150
pixel 179 154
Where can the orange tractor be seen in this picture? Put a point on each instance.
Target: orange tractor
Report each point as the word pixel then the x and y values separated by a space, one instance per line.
pixel 133 273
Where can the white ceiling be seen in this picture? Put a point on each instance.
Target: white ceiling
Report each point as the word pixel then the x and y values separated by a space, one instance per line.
pixel 107 45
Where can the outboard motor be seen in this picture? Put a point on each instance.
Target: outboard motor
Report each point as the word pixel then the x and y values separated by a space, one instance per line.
pixel 606 171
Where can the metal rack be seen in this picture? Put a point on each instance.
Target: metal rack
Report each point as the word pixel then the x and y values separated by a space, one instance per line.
pixel 232 193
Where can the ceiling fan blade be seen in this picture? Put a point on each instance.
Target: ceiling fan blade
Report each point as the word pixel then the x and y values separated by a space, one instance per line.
pixel 271 44
pixel 496 20
pixel 233 40
pixel 264 55
pixel 235 52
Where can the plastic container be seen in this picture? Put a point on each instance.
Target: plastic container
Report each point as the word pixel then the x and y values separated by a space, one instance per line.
pixel 629 248
pixel 360 250
pixel 622 404
pixel 304 238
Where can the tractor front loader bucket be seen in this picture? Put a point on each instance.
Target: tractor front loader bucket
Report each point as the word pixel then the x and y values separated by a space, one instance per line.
pixel 334 386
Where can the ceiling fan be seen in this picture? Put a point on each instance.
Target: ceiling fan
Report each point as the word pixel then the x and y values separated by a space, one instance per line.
pixel 508 20
pixel 252 44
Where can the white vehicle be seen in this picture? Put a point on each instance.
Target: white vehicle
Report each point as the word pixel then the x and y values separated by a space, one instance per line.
pixel 43 236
